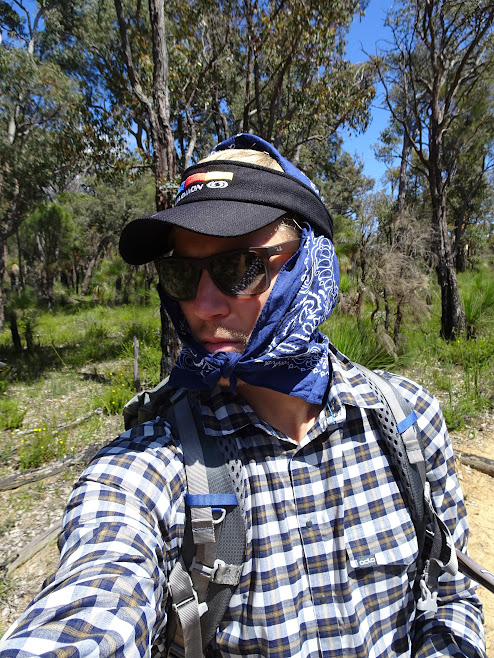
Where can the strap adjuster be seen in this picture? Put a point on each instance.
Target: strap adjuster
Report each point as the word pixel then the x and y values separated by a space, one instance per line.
pixel 175 651
pixel 203 607
pixel 204 569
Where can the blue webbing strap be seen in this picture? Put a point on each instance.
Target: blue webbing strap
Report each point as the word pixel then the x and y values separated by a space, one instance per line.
pixel 406 422
pixel 210 500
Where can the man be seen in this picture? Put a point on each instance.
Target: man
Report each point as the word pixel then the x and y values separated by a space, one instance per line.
pixel 248 273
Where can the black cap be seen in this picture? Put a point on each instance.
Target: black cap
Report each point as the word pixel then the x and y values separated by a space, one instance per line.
pixel 225 198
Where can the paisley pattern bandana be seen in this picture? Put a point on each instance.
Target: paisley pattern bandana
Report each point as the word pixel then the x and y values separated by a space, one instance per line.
pixel 286 352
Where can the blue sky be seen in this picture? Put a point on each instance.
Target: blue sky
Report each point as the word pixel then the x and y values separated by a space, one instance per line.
pixel 364 33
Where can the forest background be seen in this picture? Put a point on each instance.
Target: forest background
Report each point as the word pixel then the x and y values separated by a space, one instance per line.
pixel 104 103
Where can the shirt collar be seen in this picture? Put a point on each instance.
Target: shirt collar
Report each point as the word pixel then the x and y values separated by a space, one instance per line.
pixel 224 412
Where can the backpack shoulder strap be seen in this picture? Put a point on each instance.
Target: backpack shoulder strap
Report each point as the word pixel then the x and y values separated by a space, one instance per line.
pixel 397 423
pixel 208 571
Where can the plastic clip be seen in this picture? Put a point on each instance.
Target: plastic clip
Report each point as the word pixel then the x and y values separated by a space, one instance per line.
pixel 428 600
pixel 205 570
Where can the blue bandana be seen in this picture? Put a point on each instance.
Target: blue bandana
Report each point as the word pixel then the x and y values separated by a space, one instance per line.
pixel 286 352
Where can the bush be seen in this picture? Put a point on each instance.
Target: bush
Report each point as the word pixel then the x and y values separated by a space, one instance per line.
pixel 477 298
pixel 359 342
pixel 44 446
pixel 113 399
pixel 11 416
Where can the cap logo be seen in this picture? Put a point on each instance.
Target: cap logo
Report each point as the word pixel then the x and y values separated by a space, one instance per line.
pixel 195 182
pixel 217 183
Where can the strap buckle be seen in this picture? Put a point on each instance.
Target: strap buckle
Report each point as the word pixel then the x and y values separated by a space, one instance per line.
pixel 428 600
pixel 206 570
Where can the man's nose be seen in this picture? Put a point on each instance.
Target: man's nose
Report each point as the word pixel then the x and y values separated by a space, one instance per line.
pixel 209 300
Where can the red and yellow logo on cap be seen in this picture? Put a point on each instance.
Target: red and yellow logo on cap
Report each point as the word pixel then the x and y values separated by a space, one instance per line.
pixel 207 177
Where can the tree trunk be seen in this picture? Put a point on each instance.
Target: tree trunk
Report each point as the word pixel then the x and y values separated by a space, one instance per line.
pixel 453 320
pixel 164 156
pixel 19 257
pixel 397 327
pixel 170 345
pixel 3 265
pixel 161 133
pixel 14 330
pixel 403 177
pixel 461 258
pixel 91 265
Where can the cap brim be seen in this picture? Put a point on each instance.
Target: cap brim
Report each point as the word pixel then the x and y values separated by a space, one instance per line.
pixel 146 238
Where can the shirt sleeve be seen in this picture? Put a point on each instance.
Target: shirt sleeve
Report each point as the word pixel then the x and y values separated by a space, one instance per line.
pixel 121 533
pixel 456 629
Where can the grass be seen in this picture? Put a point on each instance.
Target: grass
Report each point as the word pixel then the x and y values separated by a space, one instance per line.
pixel 477 296
pixel 82 361
pixel 358 341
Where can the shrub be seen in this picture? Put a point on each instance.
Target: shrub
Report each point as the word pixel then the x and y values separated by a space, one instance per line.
pixel 477 296
pixel 359 342
pixel 11 416
pixel 115 396
pixel 44 446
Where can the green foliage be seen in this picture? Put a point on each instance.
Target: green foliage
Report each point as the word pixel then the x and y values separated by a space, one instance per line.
pixel 44 446
pixel 47 235
pixel 43 141
pixel 358 341
pixel 11 416
pixel 115 396
pixel 463 370
pixel 477 296
pixel 71 339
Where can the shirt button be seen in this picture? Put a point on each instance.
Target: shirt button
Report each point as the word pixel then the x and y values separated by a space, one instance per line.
pixel 322 600
pixel 309 524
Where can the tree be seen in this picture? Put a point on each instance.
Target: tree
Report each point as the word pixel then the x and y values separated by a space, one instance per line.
pixel 440 52
pixel 100 210
pixel 472 159
pixel 179 79
pixel 40 140
pixel 297 85
pixel 47 236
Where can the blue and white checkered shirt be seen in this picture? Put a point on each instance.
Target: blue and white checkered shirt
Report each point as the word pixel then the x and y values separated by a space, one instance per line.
pixel 331 546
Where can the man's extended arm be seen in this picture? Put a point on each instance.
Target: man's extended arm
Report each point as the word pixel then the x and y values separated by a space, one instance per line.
pixel 107 596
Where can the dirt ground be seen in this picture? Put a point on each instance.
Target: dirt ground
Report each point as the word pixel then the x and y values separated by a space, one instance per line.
pixel 41 505
pixel 478 489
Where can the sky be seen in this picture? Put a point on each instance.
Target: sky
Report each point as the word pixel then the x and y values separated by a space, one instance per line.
pixel 363 35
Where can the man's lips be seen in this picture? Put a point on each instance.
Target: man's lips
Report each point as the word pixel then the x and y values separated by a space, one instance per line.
pixel 225 341
pixel 223 344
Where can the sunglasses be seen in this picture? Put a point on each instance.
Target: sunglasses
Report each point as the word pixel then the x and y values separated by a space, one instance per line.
pixel 238 273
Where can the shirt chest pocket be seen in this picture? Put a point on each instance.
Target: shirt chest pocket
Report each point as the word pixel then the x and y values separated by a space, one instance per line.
pixel 374 540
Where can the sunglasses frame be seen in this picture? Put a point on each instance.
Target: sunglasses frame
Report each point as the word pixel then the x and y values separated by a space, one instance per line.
pixel 201 264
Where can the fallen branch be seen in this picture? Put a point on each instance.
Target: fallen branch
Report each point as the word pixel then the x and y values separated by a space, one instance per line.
pixel 44 472
pixel 35 546
pixel 482 464
pixel 63 426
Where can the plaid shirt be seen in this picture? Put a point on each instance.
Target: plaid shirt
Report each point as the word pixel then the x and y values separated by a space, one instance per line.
pixel 331 547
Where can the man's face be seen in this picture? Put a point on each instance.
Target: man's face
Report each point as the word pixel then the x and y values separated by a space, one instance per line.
pixel 218 321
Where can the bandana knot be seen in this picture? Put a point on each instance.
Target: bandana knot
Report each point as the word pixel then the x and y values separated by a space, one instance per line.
pixel 223 366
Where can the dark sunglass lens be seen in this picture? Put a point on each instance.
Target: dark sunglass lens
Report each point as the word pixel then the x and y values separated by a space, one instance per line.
pixel 178 278
pixel 239 273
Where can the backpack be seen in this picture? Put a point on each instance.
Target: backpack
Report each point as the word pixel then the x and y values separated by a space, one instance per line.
pixel 208 570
